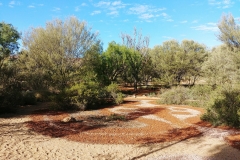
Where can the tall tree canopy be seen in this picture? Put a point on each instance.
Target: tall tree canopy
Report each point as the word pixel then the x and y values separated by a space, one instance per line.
pixel 113 62
pixel 53 53
pixel 8 45
pixel 222 66
pixel 137 54
pixel 174 61
pixel 8 39
pixel 229 31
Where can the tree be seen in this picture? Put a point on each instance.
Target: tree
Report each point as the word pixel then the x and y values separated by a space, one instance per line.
pixel 196 55
pixel 8 46
pixel 53 54
pixel 229 31
pixel 168 62
pixel 137 54
pixel 10 89
pixel 222 66
pixel 113 63
pixel 174 62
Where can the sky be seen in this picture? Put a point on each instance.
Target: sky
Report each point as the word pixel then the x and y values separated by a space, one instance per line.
pixel 160 20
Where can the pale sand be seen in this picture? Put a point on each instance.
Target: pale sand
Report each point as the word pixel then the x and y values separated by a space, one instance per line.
pixel 18 142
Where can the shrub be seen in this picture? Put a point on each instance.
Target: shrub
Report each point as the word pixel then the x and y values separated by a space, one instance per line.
pixel 116 117
pixel 86 95
pixel 176 95
pixel 114 92
pixel 119 99
pixel 43 95
pixel 225 109
pixel 199 95
pixel 10 97
pixel 62 101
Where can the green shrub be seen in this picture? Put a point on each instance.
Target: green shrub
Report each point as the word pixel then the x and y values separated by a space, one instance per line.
pixel 10 97
pixel 43 96
pixel 62 101
pixel 119 99
pixel 114 93
pixel 225 109
pixel 176 95
pixel 115 117
pixel 86 95
pixel 199 95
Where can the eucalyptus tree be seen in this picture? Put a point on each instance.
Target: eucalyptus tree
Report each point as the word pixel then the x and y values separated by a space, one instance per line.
pixel 137 54
pixel 168 62
pixel 113 62
pixel 222 66
pixel 53 53
pixel 196 55
pixel 229 31
pixel 10 88
pixel 174 62
pixel 8 46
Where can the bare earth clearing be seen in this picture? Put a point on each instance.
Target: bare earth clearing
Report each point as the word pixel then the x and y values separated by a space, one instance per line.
pixel 148 131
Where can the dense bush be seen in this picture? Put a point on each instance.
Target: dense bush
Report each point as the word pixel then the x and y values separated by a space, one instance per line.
pixel 199 95
pixel 175 95
pixel 225 109
pixel 10 97
pixel 88 95
pixel 82 96
pixel 113 90
pixel 62 101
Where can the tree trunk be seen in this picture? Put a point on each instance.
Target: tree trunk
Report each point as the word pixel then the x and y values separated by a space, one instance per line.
pixel 135 85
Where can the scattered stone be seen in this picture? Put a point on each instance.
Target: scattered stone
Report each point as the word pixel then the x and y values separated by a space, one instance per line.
pixel 69 119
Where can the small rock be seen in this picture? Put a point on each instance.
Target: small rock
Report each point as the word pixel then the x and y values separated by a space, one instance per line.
pixel 69 119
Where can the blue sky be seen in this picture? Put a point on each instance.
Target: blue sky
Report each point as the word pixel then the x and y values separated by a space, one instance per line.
pixel 161 20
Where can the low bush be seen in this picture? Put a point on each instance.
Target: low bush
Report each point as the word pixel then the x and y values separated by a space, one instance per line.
pixel 83 96
pixel 116 117
pixel 175 95
pixel 10 97
pixel 225 109
pixel 114 93
pixel 199 95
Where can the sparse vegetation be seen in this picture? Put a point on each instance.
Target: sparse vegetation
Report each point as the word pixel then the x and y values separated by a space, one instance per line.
pixel 64 63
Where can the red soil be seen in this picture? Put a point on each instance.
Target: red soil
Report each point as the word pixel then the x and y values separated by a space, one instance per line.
pixel 135 128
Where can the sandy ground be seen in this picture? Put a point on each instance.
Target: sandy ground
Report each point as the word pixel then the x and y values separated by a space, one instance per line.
pixel 21 137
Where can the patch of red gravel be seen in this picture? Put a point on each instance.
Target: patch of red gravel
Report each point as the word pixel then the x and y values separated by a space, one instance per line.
pixel 96 129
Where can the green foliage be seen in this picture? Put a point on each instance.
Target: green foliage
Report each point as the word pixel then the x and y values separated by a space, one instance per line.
pixel 63 101
pixel 222 66
pixel 175 95
pixel 200 95
pixel 10 97
pixel 86 95
pixel 43 95
pixel 136 56
pixel 112 62
pixel 229 32
pixel 119 99
pixel 174 62
pixel 10 88
pixel 113 90
pixel 225 109
pixel 116 117
pixel 8 40
pixel 52 56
